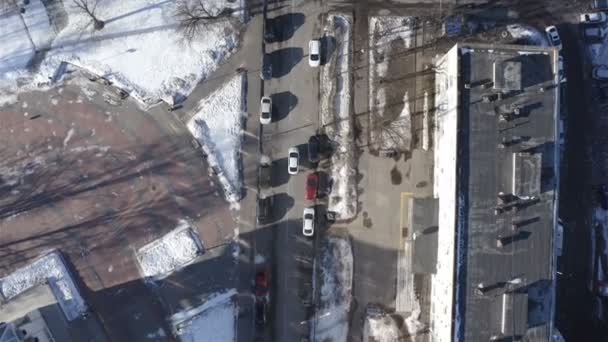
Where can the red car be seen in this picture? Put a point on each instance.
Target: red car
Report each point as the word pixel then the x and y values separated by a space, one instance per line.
pixel 312 184
pixel 261 284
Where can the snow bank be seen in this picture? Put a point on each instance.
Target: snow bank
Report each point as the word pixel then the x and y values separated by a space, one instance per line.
pixel 380 329
pixel 527 34
pixel 49 268
pixel 217 125
pixel 336 269
pixel 170 252
pixel 214 321
pixel 384 31
pixel 336 104
pixel 139 49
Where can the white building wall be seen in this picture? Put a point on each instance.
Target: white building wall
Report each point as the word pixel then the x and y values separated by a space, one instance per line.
pixel 445 142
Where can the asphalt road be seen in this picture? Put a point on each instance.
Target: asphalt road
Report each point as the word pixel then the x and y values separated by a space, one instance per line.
pixel 294 84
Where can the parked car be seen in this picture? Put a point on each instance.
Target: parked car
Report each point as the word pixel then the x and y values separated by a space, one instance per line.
pixel 261 284
pixel 594 33
pixel 602 196
pixel 314 53
pixel 264 209
pixel 260 312
pixel 312 184
pixel 600 73
pixel 599 4
pixel 553 36
pixel 270 31
pixel 593 18
pixel 308 227
pixel 314 147
pixel 293 160
pixel 266 110
pixel 265 172
pixel 266 72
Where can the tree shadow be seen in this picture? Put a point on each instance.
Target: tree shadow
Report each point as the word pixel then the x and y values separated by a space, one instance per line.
pixel 279 172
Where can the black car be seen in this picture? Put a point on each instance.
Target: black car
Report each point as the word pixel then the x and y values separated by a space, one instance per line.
pixel 260 312
pixel 266 72
pixel 314 153
pixel 264 209
pixel 265 172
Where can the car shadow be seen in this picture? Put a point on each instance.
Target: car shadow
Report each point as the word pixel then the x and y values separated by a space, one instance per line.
pixel 282 104
pixel 328 47
pixel 283 27
pixel 279 173
pixel 284 60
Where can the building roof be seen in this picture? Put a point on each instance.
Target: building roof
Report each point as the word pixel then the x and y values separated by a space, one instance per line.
pixel 506 184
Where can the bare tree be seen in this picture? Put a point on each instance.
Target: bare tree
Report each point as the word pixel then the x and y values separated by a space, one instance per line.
pixel 193 15
pixel 88 7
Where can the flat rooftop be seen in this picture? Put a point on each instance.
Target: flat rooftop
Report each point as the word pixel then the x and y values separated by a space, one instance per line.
pixel 507 184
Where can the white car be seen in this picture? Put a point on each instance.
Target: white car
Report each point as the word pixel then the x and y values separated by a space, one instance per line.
pixel 308 227
pixel 266 110
pixel 600 73
pixel 293 160
pixel 314 53
pixel 553 37
pixel 593 18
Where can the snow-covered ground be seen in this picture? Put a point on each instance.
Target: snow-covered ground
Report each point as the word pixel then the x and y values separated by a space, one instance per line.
pixel 384 31
pixel 527 34
pixel 49 268
pixel 139 48
pixel 336 104
pixel 336 267
pixel 172 251
pixel 217 125
pixel 214 321
pixel 380 329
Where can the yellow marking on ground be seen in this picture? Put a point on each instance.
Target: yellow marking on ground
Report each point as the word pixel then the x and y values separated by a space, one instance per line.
pixel 402 196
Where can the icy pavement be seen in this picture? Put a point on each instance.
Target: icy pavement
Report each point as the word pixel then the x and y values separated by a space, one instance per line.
pixel 380 328
pixel 217 125
pixel 170 252
pixel 336 267
pixel 139 48
pixel 49 268
pixel 214 321
pixel 336 104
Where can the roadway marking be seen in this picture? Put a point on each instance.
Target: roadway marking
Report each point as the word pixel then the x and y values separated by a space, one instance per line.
pixel 402 196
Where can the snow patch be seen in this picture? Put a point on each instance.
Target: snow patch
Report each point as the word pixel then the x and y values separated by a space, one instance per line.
pixel 528 34
pixel 52 269
pixel 217 125
pixel 174 250
pixel 138 50
pixel 214 321
pixel 380 328
pixel 259 259
pixel 332 316
pixel 336 103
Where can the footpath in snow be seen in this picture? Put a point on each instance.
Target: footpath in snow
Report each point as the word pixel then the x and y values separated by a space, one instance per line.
pixel 217 124
pixel 172 251
pixel 336 104
pixel 52 269
pixel 336 269
pixel 139 49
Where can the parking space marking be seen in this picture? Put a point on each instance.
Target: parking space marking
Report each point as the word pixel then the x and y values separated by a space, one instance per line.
pixel 402 196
